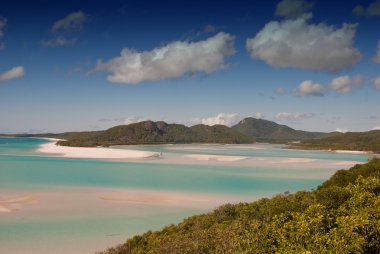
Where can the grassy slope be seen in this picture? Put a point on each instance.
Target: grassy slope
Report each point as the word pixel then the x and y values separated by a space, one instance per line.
pixel 268 130
pixel 341 216
pixel 360 141
pixel 149 132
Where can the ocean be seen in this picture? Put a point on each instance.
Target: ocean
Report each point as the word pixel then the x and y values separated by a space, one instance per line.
pixel 51 204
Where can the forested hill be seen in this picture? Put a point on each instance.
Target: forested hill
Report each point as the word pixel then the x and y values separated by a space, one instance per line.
pixel 359 141
pixel 341 216
pixel 264 130
pixel 149 132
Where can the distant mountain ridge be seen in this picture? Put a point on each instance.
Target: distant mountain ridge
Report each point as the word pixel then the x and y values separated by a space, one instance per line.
pixel 149 132
pixel 246 131
pixel 264 130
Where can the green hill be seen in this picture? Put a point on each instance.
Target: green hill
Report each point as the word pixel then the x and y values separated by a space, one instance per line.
pixel 341 216
pixel 149 132
pixel 359 141
pixel 264 130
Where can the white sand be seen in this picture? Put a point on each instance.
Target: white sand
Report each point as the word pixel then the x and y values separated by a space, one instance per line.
pixel 94 152
pixel 298 160
pixel 350 152
pixel 206 157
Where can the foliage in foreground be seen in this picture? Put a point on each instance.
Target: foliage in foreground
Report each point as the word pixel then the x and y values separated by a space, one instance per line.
pixel 341 216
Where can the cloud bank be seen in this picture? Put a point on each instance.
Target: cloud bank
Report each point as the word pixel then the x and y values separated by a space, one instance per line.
pixel 171 61
pixel 292 117
pixel 295 43
pixel 341 130
pixel 222 118
pixel 292 8
pixel 15 72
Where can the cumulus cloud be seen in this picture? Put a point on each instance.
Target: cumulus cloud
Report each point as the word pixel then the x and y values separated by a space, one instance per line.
pixel 72 22
pixel 58 41
pixel 280 91
pixel 292 8
pixel 295 43
pixel 376 83
pixel 15 72
pixel 308 87
pixel 371 10
pixel 376 58
pixel 292 117
pixel 170 61
pixel 3 23
pixel 222 118
pixel 345 84
pixel 341 130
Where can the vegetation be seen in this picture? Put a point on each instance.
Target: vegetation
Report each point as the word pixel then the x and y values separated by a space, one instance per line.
pixel 360 141
pixel 149 132
pixel 268 131
pixel 341 216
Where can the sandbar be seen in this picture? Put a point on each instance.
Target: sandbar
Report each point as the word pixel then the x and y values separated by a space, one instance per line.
pixel 206 157
pixel 94 152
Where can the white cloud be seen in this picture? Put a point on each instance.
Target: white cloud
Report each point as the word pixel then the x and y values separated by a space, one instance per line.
pixel 58 41
pixel 222 118
pixel 341 130
pixel 372 10
pixel 376 128
pixel 170 61
pixel 259 115
pixel 72 22
pixel 308 87
pixel 280 91
pixel 135 119
pixel 15 72
pixel 292 8
pixel 295 43
pixel 376 83
pixel 3 23
pixel 292 117
pixel 376 58
pixel 345 84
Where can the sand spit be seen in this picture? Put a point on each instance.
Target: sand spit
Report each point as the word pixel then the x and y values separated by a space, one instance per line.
pixel 94 152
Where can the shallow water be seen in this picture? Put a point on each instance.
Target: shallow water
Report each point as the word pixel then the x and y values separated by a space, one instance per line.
pixel 63 208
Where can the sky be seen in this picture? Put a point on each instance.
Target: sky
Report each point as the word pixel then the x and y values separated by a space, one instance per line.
pixel 90 65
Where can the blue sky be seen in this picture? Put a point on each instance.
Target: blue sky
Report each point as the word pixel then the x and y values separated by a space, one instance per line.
pixel 90 65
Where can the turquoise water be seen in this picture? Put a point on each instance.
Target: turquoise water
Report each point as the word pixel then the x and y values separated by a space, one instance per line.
pixel 264 150
pixel 102 224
